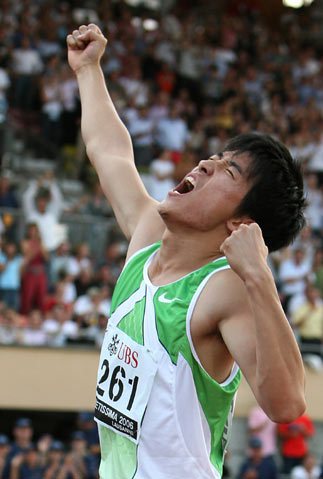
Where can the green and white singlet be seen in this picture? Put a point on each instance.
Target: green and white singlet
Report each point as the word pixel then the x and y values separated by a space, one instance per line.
pixel 160 415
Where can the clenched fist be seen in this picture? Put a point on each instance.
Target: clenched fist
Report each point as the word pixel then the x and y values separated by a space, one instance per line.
pixel 245 250
pixel 85 46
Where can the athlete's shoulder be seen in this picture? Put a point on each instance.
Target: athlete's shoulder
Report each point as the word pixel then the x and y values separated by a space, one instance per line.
pixel 224 295
pixel 149 229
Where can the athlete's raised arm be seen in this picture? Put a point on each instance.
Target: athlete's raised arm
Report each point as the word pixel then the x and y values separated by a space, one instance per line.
pixel 108 143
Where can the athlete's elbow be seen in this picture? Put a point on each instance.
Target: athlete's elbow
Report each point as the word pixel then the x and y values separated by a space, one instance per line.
pixel 288 411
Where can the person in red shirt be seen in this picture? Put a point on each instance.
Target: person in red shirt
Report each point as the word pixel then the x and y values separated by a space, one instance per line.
pixel 294 441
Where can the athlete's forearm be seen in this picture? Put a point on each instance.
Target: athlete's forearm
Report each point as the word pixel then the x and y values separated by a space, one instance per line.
pixel 109 148
pixel 102 130
pixel 279 367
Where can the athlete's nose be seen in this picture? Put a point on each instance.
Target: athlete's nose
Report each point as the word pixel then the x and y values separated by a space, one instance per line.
pixel 206 166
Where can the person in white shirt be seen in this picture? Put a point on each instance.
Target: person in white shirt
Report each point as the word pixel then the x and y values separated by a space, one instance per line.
pixel 43 204
pixel 172 131
pixel 92 303
pixel 26 65
pixel 293 274
pixel 307 470
pixel 141 131
pixel 79 261
pixel 59 326
pixel 34 335
pixel 162 171
pixel 314 209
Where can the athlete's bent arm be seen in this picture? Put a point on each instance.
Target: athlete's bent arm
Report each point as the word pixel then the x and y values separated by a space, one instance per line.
pixel 108 143
pixel 261 340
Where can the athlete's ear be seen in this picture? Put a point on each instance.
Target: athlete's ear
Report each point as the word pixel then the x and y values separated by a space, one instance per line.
pixel 234 223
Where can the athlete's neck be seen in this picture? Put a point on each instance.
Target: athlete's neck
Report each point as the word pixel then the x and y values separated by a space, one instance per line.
pixel 180 255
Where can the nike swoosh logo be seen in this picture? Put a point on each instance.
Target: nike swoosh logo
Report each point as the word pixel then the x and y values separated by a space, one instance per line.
pixel 163 299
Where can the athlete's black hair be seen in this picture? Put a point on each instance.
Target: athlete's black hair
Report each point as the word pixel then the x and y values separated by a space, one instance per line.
pixel 276 197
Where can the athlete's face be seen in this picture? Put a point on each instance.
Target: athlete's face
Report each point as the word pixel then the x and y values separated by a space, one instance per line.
pixel 210 194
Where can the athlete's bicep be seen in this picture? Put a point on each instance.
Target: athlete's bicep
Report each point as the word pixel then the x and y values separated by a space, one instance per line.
pixel 226 303
pixel 238 333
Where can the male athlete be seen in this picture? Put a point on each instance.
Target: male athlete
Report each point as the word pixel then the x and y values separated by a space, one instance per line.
pixel 196 302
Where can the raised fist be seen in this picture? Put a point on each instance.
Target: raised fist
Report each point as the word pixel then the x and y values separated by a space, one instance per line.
pixel 85 46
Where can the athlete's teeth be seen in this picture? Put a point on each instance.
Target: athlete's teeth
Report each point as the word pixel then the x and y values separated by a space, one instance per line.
pixel 190 180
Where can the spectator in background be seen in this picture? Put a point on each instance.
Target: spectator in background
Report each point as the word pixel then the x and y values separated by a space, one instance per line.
pixel 197 138
pixel 79 463
pixel 188 65
pixel 69 469
pixel 162 170
pixel 318 270
pixel 65 290
pixel 70 112
pixel 133 83
pixel 10 265
pixel 86 423
pixel 294 445
pixel 4 85
pixel 52 107
pixel 59 260
pixel 172 132
pixel 84 281
pixel 8 327
pixel 256 466
pixel 7 196
pixel 51 323
pixel 8 200
pixel 97 330
pixel 308 321
pixel 55 460
pixel 79 261
pixel 33 272
pixel 160 107
pixel 130 111
pixel 22 433
pixel 166 78
pixel 59 327
pixel 43 446
pixel 114 257
pixel 34 335
pixel 42 204
pixel 314 209
pixel 97 204
pixel 141 130
pixel 293 274
pixel 306 241
pixel 307 470
pixel 27 465
pixel 88 306
pixel 261 427
pixel 4 452
pixel 104 277
pixel 26 65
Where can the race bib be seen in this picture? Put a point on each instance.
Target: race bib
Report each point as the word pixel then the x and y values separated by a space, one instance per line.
pixel 125 379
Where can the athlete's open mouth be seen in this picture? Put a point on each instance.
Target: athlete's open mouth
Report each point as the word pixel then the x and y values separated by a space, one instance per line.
pixel 185 186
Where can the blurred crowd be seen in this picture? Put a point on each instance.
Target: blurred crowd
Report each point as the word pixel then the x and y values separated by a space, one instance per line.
pixel 277 451
pixel 272 451
pixel 52 294
pixel 183 82
pixel 24 456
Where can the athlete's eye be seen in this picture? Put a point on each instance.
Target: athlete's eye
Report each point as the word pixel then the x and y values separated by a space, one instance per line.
pixel 229 171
